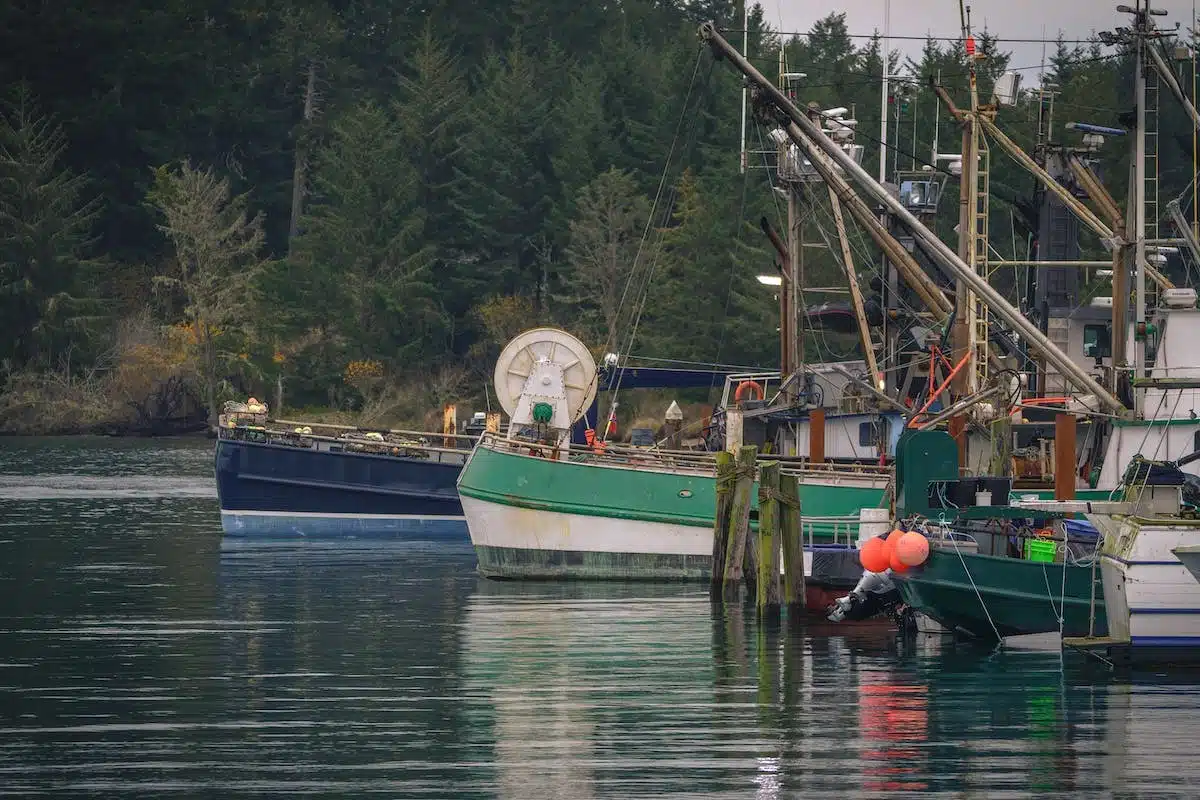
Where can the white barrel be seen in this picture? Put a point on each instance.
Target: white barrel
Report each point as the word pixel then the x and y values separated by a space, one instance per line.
pixel 872 522
pixel 983 498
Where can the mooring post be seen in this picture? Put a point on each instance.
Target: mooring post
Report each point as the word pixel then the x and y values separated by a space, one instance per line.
pixel 726 476
pixel 768 593
pixel 793 541
pixel 739 518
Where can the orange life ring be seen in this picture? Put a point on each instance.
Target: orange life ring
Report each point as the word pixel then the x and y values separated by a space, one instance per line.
pixel 745 386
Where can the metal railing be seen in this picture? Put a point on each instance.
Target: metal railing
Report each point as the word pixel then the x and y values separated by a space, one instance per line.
pixel 410 448
pixel 703 462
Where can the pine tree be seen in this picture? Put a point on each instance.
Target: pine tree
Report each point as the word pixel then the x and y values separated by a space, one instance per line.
pixel 46 218
pixel 606 242
pixel 505 203
pixel 362 266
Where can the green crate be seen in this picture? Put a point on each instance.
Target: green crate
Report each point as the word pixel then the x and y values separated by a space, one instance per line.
pixel 1040 550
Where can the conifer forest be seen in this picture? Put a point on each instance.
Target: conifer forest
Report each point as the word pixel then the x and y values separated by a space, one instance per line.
pixel 351 205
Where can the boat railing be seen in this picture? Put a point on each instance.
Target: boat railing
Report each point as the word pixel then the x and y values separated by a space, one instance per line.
pixel 458 437
pixel 697 460
pixel 313 441
pixel 836 525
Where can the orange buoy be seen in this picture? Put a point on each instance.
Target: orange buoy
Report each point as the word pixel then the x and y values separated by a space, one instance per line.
pixel 873 556
pixel 745 387
pixel 894 562
pixel 911 549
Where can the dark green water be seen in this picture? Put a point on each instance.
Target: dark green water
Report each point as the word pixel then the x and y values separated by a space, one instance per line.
pixel 140 657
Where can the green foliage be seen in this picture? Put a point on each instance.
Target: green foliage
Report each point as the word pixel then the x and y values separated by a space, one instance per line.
pixel 216 265
pixel 46 220
pixel 361 268
pixel 431 178
pixel 606 241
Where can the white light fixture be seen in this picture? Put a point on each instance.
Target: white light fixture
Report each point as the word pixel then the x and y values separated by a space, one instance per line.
pixel 770 280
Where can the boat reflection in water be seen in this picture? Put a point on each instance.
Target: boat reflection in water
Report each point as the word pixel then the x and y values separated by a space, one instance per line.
pixel 398 670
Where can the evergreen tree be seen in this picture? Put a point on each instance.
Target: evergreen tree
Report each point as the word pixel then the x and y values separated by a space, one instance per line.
pixel 46 219
pixel 362 265
pixel 504 169
pixel 606 242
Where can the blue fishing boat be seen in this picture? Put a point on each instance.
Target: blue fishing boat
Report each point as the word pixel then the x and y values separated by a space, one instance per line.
pixel 279 483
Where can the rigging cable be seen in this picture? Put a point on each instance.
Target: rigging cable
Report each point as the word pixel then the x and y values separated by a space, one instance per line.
pixel 672 194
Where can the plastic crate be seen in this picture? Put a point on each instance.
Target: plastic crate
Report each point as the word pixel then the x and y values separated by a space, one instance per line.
pixel 1043 550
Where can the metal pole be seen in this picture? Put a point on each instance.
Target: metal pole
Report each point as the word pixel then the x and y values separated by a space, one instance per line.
pixel 745 88
pixel 933 244
pixel 1139 200
pixel 795 327
pixel 900 259
pixel 883 96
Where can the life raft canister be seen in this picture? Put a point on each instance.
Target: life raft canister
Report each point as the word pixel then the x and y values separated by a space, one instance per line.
pixel 744 387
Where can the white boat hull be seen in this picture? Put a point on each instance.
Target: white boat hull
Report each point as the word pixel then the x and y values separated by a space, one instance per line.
pixel 1151 597
pixel 515 542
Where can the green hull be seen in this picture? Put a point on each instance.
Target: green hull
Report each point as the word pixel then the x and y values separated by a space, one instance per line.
pixel 830 506
pixel 1020 596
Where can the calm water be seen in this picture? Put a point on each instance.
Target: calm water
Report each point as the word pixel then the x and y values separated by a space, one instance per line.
pixel 140 657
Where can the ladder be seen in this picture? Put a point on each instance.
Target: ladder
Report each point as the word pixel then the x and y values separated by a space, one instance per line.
pixel 1151 177
pixel 1151 180
pixel 980 209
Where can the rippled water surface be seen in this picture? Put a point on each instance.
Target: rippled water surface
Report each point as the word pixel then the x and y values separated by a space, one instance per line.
pixel 140 657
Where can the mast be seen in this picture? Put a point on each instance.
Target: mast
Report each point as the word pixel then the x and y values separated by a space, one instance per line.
pixel 817 142
pixel 1139 200
pixel 883 94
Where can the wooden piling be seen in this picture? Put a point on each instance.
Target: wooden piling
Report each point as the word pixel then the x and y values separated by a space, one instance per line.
pixel 768 587
pixel 726 476
pixel 791 531
pixel 739 518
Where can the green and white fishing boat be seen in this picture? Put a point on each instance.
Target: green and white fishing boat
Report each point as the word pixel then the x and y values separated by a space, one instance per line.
pixel 538 507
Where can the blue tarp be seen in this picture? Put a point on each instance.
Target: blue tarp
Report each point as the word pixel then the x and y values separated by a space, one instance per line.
pixel 1081 529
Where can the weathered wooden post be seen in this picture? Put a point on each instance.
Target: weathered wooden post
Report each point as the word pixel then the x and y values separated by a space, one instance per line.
pixel 739 518
pixel 768 593
pixel 726 476
pixel 793 541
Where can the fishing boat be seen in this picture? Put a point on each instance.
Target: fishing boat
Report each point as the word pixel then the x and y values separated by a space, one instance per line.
pixel 527 526
pixel 301 480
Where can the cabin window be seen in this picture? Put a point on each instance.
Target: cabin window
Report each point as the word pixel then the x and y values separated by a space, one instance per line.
pixel 1097 341
pixel 920 195
pixel 873 434
pixel 1196 441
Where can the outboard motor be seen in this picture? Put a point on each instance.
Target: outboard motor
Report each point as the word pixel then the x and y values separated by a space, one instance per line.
pixel 874 594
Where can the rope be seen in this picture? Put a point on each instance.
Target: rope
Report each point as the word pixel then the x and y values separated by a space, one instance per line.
pixel 739 471
pixel 978 595
pixel 770 493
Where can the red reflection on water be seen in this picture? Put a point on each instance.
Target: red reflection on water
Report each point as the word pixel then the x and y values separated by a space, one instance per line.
pixel 892 716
